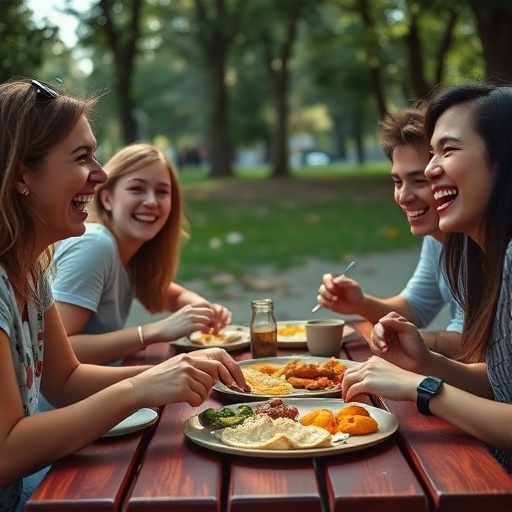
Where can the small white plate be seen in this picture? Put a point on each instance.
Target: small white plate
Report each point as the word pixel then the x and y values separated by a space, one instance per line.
pixel 388 425
pixel 137 421
pixel 186 344
pixel 298 340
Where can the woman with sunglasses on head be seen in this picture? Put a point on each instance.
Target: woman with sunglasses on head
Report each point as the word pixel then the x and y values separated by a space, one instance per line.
pixel 48 175
pixel 131 250
pixel 470 128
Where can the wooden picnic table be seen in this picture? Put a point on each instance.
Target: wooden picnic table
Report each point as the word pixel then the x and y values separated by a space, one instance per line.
pixel 426 466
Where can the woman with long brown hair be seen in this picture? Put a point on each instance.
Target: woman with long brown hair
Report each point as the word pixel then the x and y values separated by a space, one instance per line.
pixel 48 173
pixel 131 250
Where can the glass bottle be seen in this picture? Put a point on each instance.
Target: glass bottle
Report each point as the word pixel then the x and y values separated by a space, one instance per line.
pixel 263 329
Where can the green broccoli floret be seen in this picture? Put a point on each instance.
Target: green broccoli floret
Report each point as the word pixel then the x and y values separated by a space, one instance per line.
pixel 224 417
pixel 245 411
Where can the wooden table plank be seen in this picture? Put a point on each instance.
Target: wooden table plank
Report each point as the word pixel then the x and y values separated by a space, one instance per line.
pixel 176 474
pixel 378 478
pixel 94 479
pixel 451 475
pixel 356 481
pixel 462 475
pixel 262 485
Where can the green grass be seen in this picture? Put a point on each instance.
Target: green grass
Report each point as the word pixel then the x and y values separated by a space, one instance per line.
pixel 321 214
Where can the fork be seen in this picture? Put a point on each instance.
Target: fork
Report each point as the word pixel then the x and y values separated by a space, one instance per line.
pixel 350 266
pixel 233 387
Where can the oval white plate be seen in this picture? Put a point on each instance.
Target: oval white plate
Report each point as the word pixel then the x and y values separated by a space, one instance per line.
pixel 186 344
pixel 299 340
pixel 388 423
pixel 137 421
pixel 281 361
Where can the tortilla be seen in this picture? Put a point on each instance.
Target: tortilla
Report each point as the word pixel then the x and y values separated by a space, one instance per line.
pixel 264 433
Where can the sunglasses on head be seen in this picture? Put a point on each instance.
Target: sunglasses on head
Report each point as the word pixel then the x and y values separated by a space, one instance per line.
pixel 43 92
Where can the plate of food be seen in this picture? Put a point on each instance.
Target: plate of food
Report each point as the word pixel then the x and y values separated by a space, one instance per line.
pixel 292 333
pixel 140 419
pixel 232 337
pixel 299 376
pixel 291 428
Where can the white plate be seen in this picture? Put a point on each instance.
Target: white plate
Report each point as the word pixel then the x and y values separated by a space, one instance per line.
pixel 281 361
pixel 185 343
pixel 299 340
pixel 388 424
pixel 137 421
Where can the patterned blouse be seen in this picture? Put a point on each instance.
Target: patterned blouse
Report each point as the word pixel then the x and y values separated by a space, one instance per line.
pixel 26 340
pixel 499 351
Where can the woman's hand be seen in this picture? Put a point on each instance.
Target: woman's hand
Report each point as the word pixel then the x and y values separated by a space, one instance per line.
pixel 190 318
pixel 379 377
pixel 221 317
pixel 185 378
pixel 233 376
pixel 398 341
pixel 340 294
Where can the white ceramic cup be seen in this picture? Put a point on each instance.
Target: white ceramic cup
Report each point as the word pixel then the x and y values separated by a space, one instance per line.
pixel 324 336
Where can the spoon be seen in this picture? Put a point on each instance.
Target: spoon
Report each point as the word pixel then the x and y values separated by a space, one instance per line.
pixel 350 266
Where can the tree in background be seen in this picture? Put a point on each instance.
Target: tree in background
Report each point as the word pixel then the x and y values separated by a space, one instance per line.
pixel 494 22
pixel 193 68
pixel 115 26
pixel 202 33
pixel 23 45
pixel 273 32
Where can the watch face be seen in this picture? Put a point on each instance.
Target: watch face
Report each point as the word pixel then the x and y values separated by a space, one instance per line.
pixel 431 385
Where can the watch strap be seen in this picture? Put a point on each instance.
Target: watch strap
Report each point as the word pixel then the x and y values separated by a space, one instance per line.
pixel 427 388
pixel 423 402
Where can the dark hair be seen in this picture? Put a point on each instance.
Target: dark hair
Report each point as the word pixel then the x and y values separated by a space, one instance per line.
pixel 475 272
pixel 403 128
pixel 32 122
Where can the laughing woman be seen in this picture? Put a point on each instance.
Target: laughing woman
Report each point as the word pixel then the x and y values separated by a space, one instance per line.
pixel 470 128
pixel 130 251
pixel 48 172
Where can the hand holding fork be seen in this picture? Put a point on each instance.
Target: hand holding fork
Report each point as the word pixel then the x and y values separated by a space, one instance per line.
pixel 350 266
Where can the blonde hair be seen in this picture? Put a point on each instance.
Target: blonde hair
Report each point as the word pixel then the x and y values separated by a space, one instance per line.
pixel 155 264
pixel 32 123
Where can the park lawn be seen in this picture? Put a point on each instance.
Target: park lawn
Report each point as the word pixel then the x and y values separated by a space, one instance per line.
pixel 243 222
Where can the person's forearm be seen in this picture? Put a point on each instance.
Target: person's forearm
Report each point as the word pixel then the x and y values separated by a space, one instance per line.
pixel 178 296
pixel 469 377
pixel 487 420
pixel 373 308
pixel 447 343
pixel 87 379
pixel 108 347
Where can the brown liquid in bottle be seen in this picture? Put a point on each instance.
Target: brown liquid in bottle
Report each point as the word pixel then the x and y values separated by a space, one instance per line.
pixel 263 343
pixel 263 329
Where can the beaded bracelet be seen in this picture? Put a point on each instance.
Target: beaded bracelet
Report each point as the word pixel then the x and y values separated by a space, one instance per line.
pixel 141 337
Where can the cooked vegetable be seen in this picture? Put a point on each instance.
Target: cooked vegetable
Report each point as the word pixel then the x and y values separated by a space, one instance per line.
pixel 225 417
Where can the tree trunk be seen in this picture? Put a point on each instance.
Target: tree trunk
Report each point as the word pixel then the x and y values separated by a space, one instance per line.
pixel 339 139
pixel 280 165
pixel 220 150
pixel 358 136
pixel 280 80
pixel 215 39
pixel 123 43
pixel 372 48
pixel 416 62
pixel 494 20
pixel 126 106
